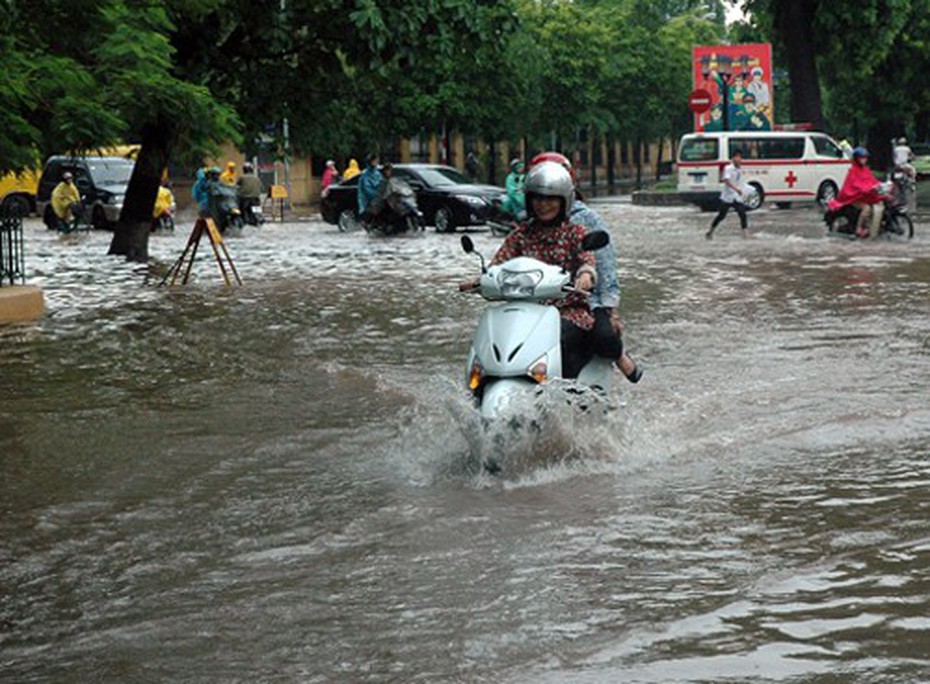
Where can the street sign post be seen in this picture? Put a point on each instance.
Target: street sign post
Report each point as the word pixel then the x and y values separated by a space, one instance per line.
pixel 699 101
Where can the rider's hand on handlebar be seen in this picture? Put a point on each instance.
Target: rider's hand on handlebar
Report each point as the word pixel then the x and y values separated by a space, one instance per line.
pixel 469 285
pixel 584 282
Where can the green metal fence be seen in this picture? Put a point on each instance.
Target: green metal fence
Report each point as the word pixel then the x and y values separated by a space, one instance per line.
pixel 11 247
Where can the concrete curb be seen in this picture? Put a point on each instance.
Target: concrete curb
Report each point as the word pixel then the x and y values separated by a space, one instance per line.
pixel 21 303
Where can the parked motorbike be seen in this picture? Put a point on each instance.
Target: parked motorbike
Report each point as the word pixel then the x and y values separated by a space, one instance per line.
pixel 896 221
pixel 516 345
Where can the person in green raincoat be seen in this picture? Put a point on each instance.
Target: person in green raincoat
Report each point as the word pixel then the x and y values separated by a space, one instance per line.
pixel 515 202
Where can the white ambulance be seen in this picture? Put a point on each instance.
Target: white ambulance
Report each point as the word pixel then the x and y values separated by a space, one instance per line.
pixel 781 166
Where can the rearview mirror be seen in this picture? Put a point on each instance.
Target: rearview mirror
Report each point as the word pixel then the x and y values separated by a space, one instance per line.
pixel 469 248
pixel 595 240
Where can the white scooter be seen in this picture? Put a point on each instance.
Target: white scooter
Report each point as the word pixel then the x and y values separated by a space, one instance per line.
pixel 516 345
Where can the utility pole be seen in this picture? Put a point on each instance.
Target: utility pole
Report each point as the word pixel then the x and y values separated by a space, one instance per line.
pixel 286 134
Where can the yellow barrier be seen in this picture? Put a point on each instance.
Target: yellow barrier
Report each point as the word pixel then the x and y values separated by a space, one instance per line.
pixel 21 303
pixel 278 195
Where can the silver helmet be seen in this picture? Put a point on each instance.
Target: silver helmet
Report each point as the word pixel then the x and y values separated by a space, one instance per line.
pixel 549 179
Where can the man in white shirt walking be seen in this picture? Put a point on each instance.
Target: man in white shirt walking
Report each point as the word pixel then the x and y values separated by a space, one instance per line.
pixel 903 155
pixel 732 195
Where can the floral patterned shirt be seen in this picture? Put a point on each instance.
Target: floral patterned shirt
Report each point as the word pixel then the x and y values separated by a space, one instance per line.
pixel 560 246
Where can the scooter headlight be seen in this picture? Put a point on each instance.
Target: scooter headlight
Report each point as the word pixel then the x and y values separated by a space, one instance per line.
pixel 539 370
pixel 519 283
pixel 475 376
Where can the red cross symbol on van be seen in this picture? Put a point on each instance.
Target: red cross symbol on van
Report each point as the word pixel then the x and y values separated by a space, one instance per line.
pixel 791 179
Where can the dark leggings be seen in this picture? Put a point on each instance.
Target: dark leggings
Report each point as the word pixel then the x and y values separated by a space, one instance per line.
pixel 576 345
pixel 725 209
pixel 604 339
pixel 579 345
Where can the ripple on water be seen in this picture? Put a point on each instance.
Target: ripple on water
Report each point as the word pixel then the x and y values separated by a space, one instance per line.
pixel 286 472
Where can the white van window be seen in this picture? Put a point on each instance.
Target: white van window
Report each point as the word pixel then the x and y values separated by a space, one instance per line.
pixel 827 148
pixel 698 149
pixel 768 148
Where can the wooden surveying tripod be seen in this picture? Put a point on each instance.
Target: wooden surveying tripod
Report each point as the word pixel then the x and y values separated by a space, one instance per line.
pixel 203 225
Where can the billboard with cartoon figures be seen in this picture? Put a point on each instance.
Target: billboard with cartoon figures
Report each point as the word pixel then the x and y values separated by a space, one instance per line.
pixel 737 80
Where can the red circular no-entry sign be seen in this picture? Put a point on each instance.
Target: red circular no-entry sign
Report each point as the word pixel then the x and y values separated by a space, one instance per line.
pixel 699 101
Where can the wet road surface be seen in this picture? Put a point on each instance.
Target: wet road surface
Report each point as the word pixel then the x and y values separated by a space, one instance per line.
pixel 277 482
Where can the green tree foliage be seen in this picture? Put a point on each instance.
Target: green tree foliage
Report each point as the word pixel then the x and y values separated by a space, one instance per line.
pixel 348 75
pixel 873 57
pixel 47 96
pixel 182 75
pixel 575 51
pixel 161 110
pixel 615 68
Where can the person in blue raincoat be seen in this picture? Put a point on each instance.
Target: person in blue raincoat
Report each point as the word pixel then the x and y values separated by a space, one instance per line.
pixel 207 179
pixel 368 184
pixel 199 191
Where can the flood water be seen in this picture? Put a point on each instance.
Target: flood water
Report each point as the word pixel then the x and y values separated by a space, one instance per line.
pixel 277 483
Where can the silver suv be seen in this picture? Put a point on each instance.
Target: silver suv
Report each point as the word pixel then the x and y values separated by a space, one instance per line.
pixel 101 181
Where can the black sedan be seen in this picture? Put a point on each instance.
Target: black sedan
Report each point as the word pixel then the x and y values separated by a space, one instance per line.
pixel 447 198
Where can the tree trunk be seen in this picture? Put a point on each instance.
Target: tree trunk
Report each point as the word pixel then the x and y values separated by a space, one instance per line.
pixel 922 125
pixel 131 237
pixel 881 133
pixel 611 160
pixel 592 157
pixel 638 158
pixel 794 21
pixel 658 162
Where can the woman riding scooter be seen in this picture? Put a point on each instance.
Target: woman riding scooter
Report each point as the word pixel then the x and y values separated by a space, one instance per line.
pixel 860 191
pixel 605 298
pixel 548 235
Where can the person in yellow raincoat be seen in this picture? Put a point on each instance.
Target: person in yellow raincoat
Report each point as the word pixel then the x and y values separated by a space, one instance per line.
pixel 164 201
pixel 66 200
pixel 352 170
pixel 229 175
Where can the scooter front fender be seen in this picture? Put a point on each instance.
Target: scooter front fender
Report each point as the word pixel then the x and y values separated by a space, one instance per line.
pixel 500 397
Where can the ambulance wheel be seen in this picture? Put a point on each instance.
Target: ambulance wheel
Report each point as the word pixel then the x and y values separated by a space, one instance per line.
pixel 754 201
pixel 826 192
